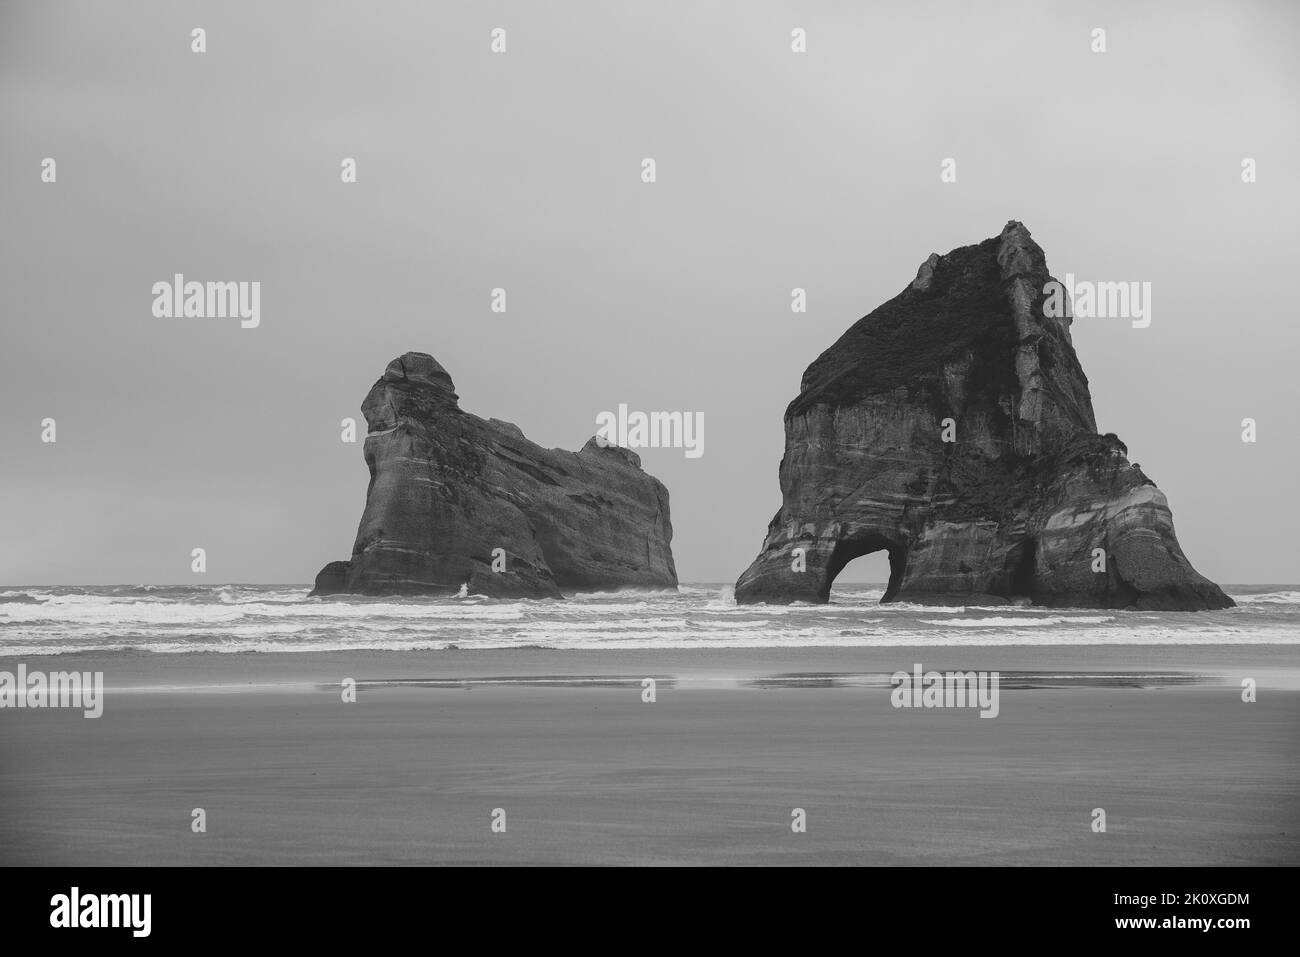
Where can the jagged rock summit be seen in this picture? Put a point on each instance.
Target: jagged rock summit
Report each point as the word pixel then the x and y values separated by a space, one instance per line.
pixel 455 499
pixel 1016 507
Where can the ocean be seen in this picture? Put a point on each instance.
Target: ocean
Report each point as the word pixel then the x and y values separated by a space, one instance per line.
pixel 167 619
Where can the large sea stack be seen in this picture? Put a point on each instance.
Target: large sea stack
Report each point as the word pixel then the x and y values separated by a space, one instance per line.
pixel 1017 506
pixel 459 500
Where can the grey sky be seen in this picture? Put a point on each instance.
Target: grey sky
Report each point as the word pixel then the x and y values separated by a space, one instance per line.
pixel 522 171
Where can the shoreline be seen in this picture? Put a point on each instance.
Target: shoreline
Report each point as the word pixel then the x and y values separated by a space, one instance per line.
pixel 1279 663
pixel 709 773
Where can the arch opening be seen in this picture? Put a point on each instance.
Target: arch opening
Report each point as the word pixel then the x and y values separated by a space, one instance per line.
pixel 847 550
pixel 1022 576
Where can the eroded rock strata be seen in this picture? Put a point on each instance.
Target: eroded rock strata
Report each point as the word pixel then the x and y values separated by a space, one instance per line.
pixel 1016 506
pixel 447 488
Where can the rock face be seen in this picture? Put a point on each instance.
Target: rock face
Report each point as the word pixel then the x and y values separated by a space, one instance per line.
pixel 448 488
pixel 1015 506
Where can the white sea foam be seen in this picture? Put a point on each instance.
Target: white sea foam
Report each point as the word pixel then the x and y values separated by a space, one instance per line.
pixel 1017 622
pixel 240 618
pixel 1269 598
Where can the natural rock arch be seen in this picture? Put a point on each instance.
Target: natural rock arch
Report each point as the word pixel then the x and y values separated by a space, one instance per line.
pixel 851 548
pixel 953 426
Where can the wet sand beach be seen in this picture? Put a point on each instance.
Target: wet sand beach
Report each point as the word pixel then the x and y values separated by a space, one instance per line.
pixel 709 773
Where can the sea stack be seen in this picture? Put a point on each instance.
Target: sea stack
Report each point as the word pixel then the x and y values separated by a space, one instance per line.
pixel 458 500
pixel 953 428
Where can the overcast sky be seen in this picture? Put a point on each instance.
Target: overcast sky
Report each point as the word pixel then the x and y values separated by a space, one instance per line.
pixel 522 171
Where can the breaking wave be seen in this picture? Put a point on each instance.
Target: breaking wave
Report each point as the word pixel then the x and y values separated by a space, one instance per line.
pixel 36 620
